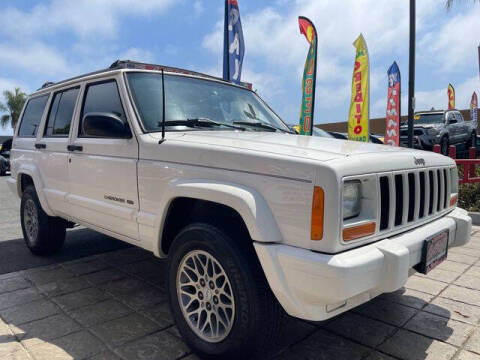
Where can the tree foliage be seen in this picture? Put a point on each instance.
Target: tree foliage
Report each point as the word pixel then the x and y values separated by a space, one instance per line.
pixel 14 101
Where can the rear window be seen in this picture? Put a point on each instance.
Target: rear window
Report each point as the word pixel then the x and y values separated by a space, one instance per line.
pixel 32 116
pixel 61 112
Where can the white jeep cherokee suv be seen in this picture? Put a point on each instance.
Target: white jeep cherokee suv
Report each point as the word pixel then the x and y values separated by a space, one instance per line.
pixel 252 218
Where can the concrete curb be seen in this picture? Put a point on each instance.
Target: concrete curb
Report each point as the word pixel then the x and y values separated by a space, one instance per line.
pixel 475 217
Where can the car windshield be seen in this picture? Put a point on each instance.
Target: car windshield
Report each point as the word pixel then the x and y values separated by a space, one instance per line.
pixel 206 101
pixel 429 119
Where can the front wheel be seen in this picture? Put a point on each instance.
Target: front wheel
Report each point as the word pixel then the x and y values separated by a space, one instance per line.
pixel 44 235
pixel 219 296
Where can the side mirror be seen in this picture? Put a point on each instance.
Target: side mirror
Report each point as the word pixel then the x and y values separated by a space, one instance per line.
pixel 103 124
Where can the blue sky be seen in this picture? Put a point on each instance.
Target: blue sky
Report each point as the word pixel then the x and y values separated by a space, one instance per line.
pixel 55 39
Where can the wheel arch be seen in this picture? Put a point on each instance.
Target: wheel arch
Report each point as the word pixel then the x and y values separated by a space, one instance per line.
pixel 30 175
pixel 242 203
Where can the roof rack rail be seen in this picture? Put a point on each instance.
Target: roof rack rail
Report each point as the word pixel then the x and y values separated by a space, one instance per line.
pixel 47 84
pixel 128 64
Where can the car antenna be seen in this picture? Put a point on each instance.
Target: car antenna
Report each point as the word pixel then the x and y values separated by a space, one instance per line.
pixel 163 110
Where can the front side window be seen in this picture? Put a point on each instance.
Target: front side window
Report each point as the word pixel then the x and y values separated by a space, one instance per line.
pixel 102 98
pixel 61 112
pixel 192 98
pixel 32 116
pixel 459 117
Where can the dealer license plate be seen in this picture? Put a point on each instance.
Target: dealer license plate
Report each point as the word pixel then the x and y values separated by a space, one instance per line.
pixel 434 252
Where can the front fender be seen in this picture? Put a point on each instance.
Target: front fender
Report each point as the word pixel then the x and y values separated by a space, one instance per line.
pixel 251 206
pixel 32 171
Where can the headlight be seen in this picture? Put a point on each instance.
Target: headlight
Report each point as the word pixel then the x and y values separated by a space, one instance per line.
pixel 351 199
pixel 432 131
pixel 454 180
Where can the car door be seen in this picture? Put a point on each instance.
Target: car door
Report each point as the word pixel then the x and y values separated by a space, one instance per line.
pixel 463 129
pixel 25 140
pixel 452 128
pixel 52 156
pixel 103 166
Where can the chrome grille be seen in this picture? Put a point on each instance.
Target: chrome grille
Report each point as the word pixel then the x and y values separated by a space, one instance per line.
pixel 409 196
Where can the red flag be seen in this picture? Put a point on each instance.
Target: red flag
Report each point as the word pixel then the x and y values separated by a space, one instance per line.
pixel 392 130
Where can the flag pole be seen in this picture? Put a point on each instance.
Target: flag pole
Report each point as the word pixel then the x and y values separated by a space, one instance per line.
pixel 226 62
pixel 411 74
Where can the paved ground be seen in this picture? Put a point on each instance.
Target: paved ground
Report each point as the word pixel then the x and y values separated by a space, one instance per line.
pixel 113 305
pixel 15 256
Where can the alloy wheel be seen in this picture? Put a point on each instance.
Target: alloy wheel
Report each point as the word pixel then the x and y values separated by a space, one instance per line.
pixel 205 296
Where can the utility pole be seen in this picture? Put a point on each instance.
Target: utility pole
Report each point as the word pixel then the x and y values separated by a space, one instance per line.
pixel 411 74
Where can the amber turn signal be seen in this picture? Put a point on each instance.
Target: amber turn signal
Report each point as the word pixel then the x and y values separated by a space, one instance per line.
pixel 317 213
pixel 453 200
pixel 359 231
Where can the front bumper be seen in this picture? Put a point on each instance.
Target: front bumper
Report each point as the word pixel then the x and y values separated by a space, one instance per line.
pixel 316 286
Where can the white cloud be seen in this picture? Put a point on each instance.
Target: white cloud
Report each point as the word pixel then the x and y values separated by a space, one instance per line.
pixel 437 98
pixel 454 45
pixel 34 57
pixel 83 17
pixel 137 54
pixel 198 7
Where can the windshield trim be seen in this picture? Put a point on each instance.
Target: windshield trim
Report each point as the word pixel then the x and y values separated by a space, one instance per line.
pixel 137 113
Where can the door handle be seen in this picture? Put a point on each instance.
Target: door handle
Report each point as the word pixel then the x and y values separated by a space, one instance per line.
pixel 40 146
pixel 74 147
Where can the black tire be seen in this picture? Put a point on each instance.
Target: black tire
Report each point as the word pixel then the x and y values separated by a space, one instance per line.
pixel 49 236
pixel 257 314
pixel 444 145
pixel 3 168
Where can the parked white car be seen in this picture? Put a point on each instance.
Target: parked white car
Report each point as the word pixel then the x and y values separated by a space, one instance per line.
pixel 251 218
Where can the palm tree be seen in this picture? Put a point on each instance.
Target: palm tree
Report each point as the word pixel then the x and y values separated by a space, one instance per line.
pixel 13 106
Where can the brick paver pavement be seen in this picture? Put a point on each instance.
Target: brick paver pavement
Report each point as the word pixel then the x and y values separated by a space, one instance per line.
pixel 114 306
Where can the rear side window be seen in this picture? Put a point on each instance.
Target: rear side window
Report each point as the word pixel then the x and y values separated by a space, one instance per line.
pixel 102 98
pixel 61 112
pixel 32 115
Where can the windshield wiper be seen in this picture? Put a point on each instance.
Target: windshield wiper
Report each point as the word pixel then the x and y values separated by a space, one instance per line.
pixel 194 122
pixel 260 125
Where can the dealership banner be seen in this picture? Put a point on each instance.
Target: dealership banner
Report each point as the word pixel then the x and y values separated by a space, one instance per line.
pixel 474 108
pixel 233 44
pixel 358 118
pixel 392 129
pixel 451 97
pixel 309 77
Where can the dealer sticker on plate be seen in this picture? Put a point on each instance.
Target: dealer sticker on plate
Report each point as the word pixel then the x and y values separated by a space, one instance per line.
pixel 434 252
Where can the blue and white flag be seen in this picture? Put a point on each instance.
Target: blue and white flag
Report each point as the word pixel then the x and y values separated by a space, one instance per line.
pixel 233 45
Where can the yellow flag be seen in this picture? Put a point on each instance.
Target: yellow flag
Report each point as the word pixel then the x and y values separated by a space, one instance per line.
pixel 451 97
pixel 358 117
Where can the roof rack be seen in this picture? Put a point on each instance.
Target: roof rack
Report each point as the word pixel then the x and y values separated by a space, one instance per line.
pixel 128 64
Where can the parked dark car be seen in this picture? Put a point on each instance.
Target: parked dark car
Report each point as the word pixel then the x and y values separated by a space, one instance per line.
pixel 5 147
pixel 444 127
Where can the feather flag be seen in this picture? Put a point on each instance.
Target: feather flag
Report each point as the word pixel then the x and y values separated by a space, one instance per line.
pixel 309 77
pixel 474 108
pixel 359 115
pixel 451 97
pixel 392 130
pixel 233 44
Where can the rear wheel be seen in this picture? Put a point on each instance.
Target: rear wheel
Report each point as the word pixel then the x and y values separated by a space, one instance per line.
pixel 43 234
pixel 219 296
pixel 3 168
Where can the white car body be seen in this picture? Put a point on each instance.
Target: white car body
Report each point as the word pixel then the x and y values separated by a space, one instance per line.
pixel 124 187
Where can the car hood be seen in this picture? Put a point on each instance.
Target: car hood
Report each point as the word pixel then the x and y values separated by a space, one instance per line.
pixel 307 147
